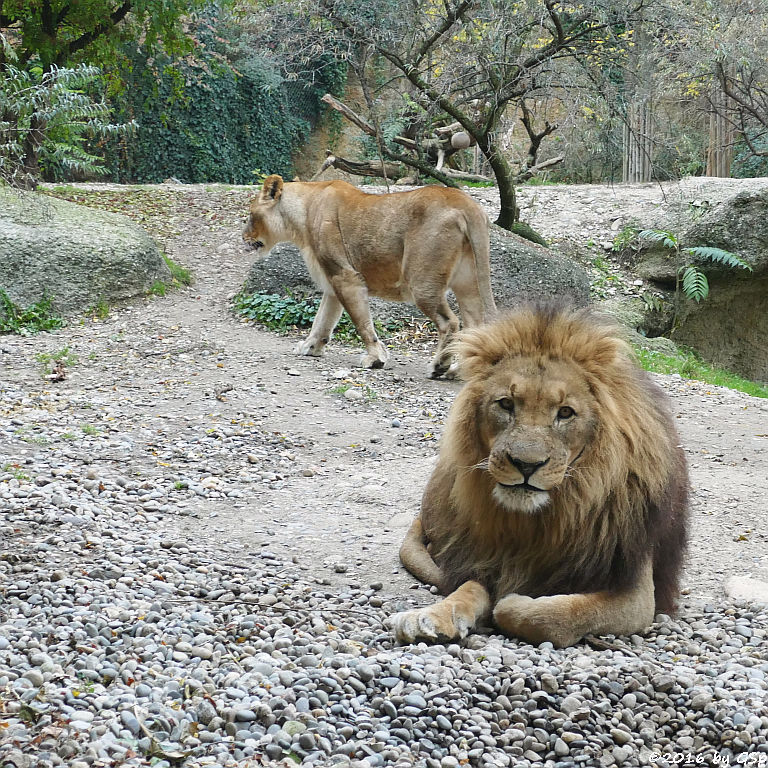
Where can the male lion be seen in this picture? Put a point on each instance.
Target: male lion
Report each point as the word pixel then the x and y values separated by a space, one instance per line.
pixel 408 246
pixel 559 501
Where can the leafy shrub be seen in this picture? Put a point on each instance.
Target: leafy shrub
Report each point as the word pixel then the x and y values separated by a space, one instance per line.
pixel 277 312
pixel 24 321
pixel 282 313
pixel 54 113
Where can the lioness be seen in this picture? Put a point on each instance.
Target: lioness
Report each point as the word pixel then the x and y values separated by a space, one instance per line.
pixel 559 502
pixel 407 246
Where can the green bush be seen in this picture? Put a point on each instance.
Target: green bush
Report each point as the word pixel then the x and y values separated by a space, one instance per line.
pixel 24 321
pixel 218 115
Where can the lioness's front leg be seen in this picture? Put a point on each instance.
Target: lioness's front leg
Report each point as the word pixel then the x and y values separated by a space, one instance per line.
pixel 328 314
pixel 564 619
pixel 450 619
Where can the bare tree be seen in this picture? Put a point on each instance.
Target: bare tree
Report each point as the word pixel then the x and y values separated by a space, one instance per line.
pixel 460 64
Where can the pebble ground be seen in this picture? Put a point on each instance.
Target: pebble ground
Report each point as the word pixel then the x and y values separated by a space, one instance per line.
pixel 199 540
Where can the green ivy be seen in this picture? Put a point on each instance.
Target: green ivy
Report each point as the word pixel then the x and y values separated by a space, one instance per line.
pixel 206 119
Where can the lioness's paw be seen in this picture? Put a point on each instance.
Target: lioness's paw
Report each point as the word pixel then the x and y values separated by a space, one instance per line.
pixel 376 359
pixel 308 348
pixel 435 622
pixel 539 620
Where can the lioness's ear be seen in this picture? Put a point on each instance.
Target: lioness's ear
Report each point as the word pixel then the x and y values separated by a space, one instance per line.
pixel 272 189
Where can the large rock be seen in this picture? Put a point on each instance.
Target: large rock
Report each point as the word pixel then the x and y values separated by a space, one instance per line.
pixel 520 270
pixel 730 327
pixel 77 256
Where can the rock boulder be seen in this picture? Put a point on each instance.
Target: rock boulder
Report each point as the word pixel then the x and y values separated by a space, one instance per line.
pixel 730 327
pixel 75 255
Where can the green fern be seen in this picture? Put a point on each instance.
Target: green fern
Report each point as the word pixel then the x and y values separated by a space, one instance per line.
pixel 695 284
pixel 667 239
pixel 718 255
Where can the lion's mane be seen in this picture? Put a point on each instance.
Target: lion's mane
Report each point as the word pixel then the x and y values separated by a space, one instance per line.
pixel 624 499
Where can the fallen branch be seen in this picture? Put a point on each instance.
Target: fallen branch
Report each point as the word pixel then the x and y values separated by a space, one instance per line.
pixel 528 173
pixel 374 168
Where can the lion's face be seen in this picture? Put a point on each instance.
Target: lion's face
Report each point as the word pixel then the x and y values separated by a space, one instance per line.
pixel 536 418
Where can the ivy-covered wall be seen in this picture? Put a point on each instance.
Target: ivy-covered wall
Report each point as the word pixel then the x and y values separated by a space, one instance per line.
pixel 201 120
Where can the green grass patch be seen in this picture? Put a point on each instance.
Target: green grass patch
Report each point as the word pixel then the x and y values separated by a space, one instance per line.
pixel 691 367
pixel 17 472
pixel 179 275
pixel 27 320
pixel 48 360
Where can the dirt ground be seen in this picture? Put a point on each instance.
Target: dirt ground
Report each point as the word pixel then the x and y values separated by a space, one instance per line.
pixel 180 388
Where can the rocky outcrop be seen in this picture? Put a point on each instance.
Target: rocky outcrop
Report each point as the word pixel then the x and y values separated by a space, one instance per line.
pixel 520 271
pixel 76 256
pixel 730 327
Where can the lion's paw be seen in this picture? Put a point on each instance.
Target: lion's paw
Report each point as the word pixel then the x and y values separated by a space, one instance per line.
pixel 538 620
pixel 308 348
pixel 435 622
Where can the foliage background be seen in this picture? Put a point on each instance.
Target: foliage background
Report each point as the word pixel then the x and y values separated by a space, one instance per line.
pixel 221 113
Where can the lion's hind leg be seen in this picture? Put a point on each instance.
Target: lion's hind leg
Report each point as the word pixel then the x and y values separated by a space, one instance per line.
pixel 564 619
pixel 449 619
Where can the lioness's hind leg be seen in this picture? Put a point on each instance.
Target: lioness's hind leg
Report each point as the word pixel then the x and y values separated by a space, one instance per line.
pixel 438 311
pixel 466 289
pixel 449 619
pixel 328 314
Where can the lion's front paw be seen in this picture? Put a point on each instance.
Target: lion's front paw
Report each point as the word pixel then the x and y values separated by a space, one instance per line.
pixel 309 347
pixel 538 620
pixel 435 622
pixel 375 359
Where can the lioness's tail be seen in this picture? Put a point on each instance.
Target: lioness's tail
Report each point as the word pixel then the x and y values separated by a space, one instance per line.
pixel 414 556
pixel 479 242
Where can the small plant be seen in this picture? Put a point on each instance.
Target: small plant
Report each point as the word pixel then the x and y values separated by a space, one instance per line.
pixel 275 311
pixel 627 238
pixel 16 471
pixel 32 319
pixel 179 275
pixel 158 288
pixel 690 278
pixel 88 429
pixel 652 302
pixel 100 310
pixel 55 364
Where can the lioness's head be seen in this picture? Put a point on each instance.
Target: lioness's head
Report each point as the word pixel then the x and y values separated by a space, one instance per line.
pixel 260 230
pixel 535 397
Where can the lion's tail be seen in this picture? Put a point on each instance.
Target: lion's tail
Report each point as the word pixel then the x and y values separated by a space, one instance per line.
pixel 479 242
pixel 414 556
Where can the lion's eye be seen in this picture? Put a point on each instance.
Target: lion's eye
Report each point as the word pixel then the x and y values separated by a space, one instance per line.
pixel 507 403
pixel 565 412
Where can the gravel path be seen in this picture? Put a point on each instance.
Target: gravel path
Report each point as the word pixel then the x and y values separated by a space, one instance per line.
pixel 199 537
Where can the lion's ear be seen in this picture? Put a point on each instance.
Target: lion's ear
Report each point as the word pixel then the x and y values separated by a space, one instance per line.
pixel 272 188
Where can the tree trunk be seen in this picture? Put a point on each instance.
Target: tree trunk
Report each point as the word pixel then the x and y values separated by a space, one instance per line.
pixel 638 143
pixel 721 138
pixel 505 180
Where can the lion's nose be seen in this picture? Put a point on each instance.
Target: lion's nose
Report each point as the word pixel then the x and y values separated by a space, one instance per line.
pixel 526 468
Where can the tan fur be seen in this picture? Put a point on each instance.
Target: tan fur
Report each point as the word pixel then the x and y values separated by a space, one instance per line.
pixel 407 246
pixel 560 490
